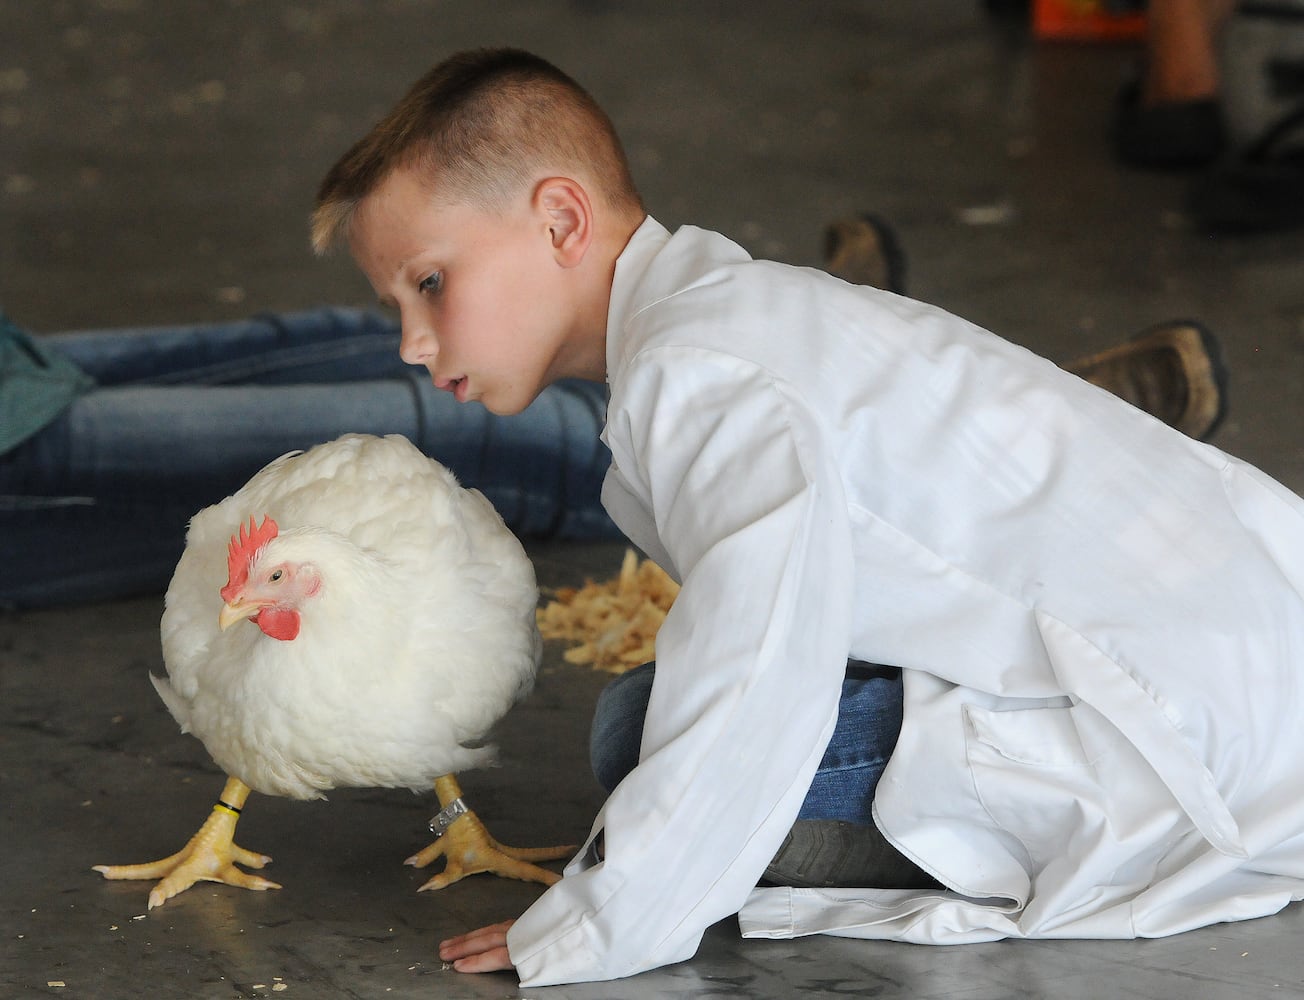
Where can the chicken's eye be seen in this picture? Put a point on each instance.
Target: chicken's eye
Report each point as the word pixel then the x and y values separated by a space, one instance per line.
pixel 432 284
pixel 274 577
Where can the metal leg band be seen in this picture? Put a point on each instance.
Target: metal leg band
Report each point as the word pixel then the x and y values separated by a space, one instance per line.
pixel 445 817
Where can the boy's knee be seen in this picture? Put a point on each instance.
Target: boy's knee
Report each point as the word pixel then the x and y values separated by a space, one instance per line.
pixel 617 730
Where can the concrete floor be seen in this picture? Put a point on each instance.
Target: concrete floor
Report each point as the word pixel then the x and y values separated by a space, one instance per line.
pixel 157 161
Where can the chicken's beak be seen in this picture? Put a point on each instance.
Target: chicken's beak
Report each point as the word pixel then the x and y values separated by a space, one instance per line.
pixel 232 613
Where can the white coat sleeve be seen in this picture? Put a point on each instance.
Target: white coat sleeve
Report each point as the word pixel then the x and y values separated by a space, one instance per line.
pixel 748 504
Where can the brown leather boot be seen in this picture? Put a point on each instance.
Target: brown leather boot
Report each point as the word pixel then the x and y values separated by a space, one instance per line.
pixel 1173 371
pixel 865 251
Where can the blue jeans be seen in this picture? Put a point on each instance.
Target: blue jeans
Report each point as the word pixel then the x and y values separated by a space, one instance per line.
pixel 869 721
pixel 95 506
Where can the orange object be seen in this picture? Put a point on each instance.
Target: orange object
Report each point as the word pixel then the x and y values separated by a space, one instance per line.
pixel 1085 21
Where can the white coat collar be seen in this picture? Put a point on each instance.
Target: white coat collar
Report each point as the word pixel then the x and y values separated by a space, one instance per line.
pixel 648 240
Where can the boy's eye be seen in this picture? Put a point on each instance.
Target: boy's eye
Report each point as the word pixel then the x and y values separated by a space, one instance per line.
pixel 432 284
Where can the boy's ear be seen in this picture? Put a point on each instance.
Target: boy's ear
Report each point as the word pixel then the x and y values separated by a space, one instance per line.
pixel 568 214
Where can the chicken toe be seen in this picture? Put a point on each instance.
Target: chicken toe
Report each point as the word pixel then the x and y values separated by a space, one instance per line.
pixel 211 855
pixel 468 849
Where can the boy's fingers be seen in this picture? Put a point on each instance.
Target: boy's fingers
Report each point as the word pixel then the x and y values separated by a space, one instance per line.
pixel 476 942
pixel 494 960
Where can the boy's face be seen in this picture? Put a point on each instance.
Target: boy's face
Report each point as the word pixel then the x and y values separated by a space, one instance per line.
pixel 479 294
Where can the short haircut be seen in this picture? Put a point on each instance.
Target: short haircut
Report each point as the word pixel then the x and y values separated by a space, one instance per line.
pixel 481 126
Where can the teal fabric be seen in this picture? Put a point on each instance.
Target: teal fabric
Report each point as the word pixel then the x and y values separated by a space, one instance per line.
pixel 36 385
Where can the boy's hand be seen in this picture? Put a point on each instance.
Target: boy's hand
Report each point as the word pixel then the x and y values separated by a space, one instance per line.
pixel 484 950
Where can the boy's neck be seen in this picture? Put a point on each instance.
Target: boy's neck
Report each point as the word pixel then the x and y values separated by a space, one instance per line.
pixel 587 357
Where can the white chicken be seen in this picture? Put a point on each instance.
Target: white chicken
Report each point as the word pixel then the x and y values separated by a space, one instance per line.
pixel 376 620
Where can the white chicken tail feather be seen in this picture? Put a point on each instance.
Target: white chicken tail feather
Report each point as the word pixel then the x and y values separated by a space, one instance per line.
pixel 175 703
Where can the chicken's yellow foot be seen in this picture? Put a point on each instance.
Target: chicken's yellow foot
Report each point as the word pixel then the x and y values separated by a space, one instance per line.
pixel 467 848
pixel 211 855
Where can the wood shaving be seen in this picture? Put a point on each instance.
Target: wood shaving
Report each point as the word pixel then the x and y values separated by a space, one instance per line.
pixel 612 625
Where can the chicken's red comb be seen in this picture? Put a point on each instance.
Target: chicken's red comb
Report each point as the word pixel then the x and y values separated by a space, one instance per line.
pixel 240 553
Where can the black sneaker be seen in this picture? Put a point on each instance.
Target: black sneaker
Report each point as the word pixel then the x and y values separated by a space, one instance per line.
pixel 1173 135
pixel 830 853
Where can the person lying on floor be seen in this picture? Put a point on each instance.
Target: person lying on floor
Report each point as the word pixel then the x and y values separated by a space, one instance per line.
pixel 111 440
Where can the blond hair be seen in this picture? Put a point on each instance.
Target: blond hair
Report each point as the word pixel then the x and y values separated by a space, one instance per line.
pixel 481 127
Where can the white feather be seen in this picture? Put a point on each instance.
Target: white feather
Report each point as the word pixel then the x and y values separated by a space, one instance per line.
pixel 423 634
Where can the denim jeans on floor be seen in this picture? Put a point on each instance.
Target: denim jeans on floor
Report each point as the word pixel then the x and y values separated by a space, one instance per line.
pixel 95 506
pixel 869 721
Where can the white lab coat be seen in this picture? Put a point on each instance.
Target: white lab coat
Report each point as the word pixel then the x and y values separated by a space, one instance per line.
pixel 1100 622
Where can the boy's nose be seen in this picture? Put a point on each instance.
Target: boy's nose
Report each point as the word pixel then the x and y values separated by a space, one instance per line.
pixel 417 345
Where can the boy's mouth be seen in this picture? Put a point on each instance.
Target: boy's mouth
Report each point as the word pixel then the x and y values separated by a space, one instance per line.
pixel 457 386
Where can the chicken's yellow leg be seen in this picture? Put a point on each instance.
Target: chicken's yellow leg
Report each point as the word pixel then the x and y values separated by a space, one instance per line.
pixel 468 849
pixel 211 855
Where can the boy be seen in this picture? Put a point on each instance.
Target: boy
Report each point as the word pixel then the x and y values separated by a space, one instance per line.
pixel 1096 618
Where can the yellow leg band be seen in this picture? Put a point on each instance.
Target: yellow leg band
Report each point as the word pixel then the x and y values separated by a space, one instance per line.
pixel 223 807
